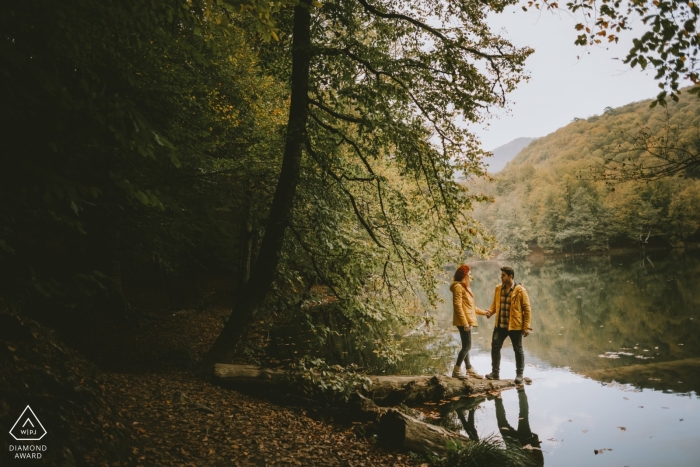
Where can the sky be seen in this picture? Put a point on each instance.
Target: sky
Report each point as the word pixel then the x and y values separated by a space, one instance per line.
pixel 561 86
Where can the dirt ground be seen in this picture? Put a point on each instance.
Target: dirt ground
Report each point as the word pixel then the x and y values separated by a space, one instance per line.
pixel 131 398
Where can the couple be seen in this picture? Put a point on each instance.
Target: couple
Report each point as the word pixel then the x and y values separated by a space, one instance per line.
pixel 511 305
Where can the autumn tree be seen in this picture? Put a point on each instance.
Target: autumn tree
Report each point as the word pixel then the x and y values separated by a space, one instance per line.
pixel 380 88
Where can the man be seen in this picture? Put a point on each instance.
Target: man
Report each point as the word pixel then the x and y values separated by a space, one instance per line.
pixel 511 305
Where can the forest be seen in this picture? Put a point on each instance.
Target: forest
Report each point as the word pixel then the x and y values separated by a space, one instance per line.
pixel 183 185
pixel 578 189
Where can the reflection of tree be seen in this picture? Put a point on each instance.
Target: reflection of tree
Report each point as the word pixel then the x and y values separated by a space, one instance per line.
pixel 585 307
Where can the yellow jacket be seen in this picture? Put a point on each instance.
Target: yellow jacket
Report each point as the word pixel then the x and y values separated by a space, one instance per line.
pixel 465 309
pixel 519 319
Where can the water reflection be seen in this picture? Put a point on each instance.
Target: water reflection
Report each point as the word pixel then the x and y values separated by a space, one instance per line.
pixel 460 415
pixel 523 435
pixel 631 319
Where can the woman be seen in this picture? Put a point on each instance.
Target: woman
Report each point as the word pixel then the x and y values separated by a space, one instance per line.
pixel 464 317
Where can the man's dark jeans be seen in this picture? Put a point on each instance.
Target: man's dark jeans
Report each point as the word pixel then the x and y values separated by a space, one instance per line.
pixel 516 337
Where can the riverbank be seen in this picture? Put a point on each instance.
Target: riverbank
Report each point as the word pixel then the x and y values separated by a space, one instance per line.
pixel 182 420
pixel 143 405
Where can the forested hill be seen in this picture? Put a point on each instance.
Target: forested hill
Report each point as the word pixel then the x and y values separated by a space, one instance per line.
pixel 591 138
pixel 548 196
pixel 505 153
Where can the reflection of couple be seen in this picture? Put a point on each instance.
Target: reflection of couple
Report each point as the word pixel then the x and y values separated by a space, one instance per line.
pixel 520 437
pixel 511 305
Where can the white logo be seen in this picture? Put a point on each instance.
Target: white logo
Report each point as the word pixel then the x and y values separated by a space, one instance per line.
pixel 28 427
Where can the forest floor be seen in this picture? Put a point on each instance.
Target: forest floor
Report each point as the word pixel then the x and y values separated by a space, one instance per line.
pixel 166 415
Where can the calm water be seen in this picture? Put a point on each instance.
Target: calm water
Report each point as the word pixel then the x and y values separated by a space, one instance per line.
pixel 614 358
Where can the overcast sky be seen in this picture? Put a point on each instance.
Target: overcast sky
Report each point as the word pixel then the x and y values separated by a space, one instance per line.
pixel 561 86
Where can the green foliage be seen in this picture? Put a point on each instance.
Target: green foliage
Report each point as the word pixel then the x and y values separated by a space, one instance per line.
pixel 329 383
pixel 490 452
pixel 111 110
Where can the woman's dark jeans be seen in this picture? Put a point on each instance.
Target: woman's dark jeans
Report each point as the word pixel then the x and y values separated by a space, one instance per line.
pixel 466 346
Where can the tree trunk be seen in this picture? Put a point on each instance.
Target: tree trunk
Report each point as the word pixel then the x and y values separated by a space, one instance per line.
pixel 265 267
pixel 386 391
pixel 246 248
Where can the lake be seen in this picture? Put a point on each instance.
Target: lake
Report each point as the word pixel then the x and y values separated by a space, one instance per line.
pixel 614 357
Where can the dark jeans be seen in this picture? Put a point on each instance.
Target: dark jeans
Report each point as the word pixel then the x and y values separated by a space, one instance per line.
pixel 463 355
pixel 516 337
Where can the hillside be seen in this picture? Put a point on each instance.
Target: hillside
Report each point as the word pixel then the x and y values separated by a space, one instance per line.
pixel 588 139
pixel 504 154
pixel 545 198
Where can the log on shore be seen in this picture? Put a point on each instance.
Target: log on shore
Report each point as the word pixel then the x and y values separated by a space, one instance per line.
pixel 400 431
pixel 389 391
pixel 386 391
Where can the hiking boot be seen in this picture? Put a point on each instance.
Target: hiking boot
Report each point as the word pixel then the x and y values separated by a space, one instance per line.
pixel 457 372
pixel 493 375
pixel 472 373
pixel 518 378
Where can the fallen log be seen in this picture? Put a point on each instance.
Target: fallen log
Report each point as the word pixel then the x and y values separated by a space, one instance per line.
pixel 389 391
pixel 400 431
pixel 386 391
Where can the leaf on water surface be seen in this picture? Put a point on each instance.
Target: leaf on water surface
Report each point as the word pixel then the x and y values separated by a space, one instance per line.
pixel 664 407
pixel 584 431
pixel 626 398
pixel 622 428
pixel 601 451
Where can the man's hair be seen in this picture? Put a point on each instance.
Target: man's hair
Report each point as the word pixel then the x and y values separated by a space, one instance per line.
pixel 508 270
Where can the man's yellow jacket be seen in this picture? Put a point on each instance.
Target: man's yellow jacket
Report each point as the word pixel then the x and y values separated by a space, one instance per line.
pixel 519 308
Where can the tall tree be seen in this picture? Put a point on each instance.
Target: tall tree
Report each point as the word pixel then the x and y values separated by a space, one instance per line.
pixel 383 83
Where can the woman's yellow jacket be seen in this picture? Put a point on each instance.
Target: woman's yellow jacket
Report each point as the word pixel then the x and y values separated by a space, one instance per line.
pixel 465 309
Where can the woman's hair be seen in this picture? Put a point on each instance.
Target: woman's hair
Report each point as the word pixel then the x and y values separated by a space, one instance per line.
pixel 461 272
